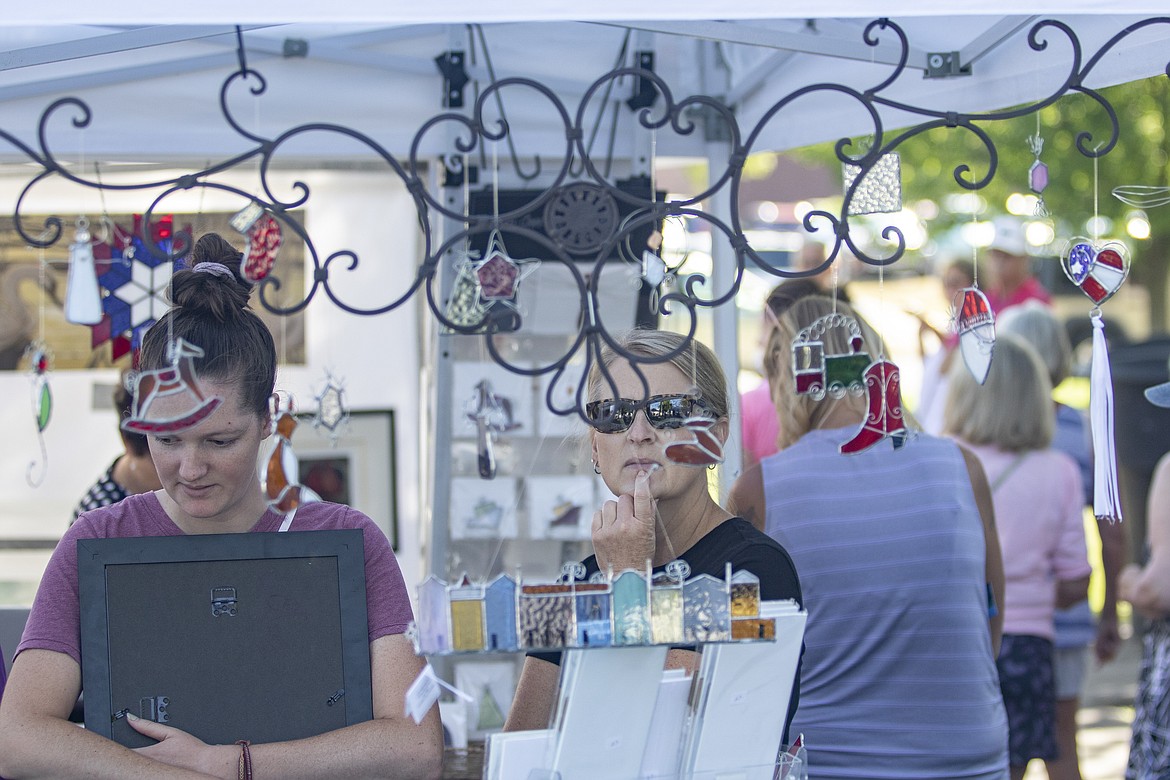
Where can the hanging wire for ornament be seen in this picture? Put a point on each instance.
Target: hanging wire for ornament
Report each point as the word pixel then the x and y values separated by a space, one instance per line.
pixel 464 306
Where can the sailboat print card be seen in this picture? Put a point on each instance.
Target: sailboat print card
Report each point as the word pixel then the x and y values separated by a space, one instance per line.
pixel 560 507
pixel 490 684
pixel 483 509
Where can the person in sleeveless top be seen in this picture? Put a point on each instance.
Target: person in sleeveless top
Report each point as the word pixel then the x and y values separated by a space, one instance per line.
pixel 1008 423
pixel 1147 588
pixel 205 442
pixel 663 509
pixel 1076 630
pixel 897 553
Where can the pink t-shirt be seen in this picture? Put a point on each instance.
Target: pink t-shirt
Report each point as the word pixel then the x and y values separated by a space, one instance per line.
pixel 1041 532
pixel 761 426
pixel 1029 290
pixel 54 623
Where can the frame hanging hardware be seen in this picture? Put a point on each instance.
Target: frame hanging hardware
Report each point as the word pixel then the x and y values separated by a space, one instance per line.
pixel 645 93
pixel 455 78
pixel 295 47
pixel 945 64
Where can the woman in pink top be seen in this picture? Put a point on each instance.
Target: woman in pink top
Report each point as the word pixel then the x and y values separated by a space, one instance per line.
pixel 1008 422
pixel 757 411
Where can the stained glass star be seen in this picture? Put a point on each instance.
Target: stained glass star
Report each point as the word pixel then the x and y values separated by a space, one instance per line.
pixel 331 413
pixel 498 275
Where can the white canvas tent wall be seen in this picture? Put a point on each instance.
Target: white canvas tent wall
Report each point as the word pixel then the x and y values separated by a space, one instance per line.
pixel 152 77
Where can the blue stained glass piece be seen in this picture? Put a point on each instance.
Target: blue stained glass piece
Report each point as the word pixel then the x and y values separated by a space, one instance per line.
pixel 119 312
pixel 117 275
pixel 593 627
pixel 139 333
pixel 1080 261
pixel 500 603
pixel 631 613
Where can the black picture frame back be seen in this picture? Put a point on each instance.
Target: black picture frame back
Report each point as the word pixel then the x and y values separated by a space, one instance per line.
pixel 257 636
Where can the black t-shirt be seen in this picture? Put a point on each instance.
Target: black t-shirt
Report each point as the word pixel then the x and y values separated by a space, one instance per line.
pixel 736 541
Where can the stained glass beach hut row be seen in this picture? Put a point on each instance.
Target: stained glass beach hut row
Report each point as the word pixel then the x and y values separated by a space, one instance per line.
pixel 634 608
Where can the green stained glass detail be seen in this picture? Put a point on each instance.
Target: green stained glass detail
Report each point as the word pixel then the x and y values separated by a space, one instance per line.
pixel 843 372
pixel 44 407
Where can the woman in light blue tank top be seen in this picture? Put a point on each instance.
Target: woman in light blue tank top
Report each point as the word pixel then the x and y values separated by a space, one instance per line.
pixel 896 548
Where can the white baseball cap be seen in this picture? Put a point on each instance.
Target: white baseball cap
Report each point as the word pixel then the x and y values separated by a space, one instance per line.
pixel 1009 236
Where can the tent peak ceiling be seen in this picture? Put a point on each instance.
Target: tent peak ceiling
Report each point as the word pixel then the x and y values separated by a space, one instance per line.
pixel 381 78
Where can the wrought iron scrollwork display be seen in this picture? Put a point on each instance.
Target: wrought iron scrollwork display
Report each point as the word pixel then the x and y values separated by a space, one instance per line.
pixel 581 182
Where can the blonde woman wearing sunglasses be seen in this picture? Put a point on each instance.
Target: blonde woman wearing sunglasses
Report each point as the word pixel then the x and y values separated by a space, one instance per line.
pixel 663 510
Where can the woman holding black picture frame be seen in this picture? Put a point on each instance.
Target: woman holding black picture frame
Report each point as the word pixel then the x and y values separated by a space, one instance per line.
pixel 212 365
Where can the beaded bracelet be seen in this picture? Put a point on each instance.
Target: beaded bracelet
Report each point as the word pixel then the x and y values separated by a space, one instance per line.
pixel 244 772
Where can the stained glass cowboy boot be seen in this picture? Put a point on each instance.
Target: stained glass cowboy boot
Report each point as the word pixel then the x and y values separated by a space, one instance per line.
pixel 178 378
pixel 884 417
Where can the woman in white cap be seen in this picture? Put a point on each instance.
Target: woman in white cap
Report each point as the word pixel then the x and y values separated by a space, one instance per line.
pixel 1012 282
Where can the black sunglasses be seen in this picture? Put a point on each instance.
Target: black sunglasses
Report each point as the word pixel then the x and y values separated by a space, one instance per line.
pixel 662 411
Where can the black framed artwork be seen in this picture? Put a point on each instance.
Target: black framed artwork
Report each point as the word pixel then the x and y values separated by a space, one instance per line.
pixel 357 468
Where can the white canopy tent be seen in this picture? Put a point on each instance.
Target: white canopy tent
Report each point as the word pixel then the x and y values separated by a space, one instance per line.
pixel 152 78
pixel 154 88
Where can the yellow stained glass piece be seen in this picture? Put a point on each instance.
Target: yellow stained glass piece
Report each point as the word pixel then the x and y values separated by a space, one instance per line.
pixel 745 599
pixel 467 625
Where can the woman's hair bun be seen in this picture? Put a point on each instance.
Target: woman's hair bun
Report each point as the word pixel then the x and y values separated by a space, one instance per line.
pixel 219 291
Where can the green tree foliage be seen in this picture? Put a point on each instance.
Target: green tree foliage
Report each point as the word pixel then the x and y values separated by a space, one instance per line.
pixel 1140 157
